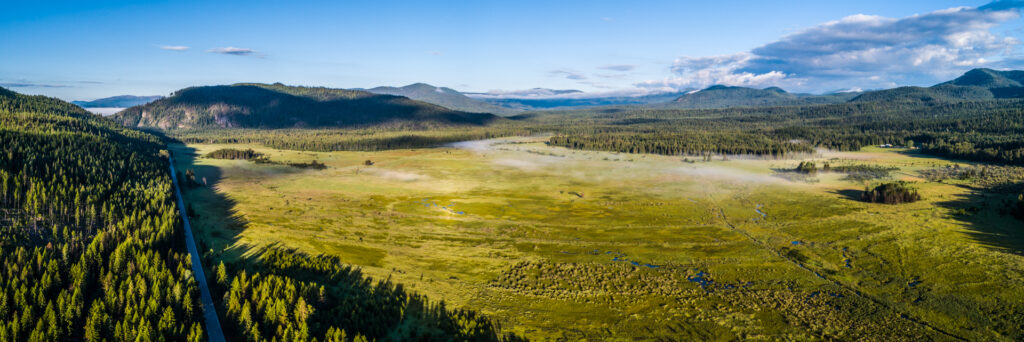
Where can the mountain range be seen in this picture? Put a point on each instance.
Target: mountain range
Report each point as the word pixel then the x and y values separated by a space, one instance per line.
pixel 510 103
pixel 253 105
pixel 720 96
pixel 121 101
pixel 445 97
pixel 567 102
pixel 976 84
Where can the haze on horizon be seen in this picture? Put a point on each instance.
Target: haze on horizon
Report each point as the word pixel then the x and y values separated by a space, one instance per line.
pixel 155 47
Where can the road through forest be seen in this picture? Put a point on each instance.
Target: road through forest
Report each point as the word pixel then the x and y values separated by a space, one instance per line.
pixel 213 331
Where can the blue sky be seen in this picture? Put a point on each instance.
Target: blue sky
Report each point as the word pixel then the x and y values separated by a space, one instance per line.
pixel 92 49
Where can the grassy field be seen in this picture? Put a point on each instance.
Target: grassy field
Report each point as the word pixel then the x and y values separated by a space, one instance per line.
pixel 561 244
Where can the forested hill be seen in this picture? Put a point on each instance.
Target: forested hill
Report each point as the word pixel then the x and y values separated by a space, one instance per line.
pixel 991 79
pixel 90 247
pixel 725 96
pixel 445 97
pixel 977 84
pixel 11 102
pixel 279 106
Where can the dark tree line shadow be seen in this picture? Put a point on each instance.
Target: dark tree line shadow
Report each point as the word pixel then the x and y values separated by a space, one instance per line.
pixel 350 300
pixel 984 214
pixel 988 220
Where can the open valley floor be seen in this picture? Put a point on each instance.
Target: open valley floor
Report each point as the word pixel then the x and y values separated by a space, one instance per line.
pixel 566 244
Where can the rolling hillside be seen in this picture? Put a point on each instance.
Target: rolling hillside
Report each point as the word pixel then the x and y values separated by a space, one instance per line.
pixel 977 84
pixel 278 106
pixel 939 93
pixel 988 78
pixel 725 96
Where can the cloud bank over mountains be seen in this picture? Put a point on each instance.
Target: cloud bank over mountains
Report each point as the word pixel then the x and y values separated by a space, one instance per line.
pixel 866 51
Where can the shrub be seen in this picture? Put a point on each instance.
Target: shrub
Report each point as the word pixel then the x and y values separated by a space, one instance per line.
pixel 807 167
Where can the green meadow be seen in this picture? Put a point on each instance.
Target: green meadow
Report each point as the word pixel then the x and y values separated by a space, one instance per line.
pixel 554 243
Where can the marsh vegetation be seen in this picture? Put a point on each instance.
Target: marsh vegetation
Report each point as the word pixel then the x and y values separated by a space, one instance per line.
pixel 538 238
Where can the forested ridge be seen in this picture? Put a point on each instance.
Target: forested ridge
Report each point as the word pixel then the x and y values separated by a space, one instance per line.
pixel 90 242
pixel 251 105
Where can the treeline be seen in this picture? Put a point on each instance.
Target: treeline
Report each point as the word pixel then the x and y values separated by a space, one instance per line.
pixel 290 296
pixel 90 247
pixel 259 158
pixel 1003 149
pixel 690 143
pixel 315 165
pixel 230 153
pixel 326 140
pixel 988 131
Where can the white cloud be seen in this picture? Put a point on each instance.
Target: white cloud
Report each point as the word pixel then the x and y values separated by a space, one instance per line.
pixel 550 94
pixel 174 47
pixel 702 72
pixel 865 51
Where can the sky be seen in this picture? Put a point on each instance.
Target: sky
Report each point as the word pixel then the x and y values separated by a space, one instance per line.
pixel 83 50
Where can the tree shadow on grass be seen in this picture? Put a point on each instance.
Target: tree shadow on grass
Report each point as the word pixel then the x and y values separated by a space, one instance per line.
pixel 350 300
pixel 982 213
pixel 985 216
pixel 215 219
pixel 850 194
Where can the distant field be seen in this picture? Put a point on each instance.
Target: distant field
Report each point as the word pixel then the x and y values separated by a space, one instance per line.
pixel 556 243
